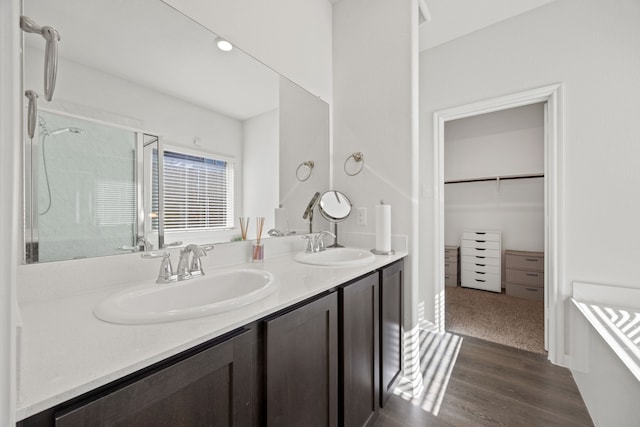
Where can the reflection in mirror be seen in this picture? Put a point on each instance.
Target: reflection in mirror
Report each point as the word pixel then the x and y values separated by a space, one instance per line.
pixel 335 207
pixel 82 199
pixel 161 72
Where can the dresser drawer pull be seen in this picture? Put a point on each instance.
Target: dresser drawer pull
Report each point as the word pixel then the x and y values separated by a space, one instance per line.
pixel 532 274
pixel 480 249
pixel 481 241
pixel 480 280
pixel 446 265
pixel 481 257
pixel 532 289
pixel 481 265
pixel 480 272
pixel 480 232
pixel 532 259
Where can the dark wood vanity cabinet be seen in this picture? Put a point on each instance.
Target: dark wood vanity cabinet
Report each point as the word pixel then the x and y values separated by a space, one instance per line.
pixel 391 320
pixel 360 308
pixel 301 365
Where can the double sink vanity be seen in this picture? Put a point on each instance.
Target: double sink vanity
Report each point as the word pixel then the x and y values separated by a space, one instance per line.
pixel 299 339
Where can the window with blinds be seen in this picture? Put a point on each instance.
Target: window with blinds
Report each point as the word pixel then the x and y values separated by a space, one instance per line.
pixel 198 192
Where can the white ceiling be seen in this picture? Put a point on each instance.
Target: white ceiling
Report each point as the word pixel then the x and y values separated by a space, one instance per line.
pixel 451 19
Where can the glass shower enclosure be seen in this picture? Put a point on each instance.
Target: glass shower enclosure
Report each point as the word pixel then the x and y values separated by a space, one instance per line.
pixel 88 189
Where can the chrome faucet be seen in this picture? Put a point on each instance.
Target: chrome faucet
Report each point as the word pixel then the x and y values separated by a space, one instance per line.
pixel 144 244
pixel 187 270
pixel 315 242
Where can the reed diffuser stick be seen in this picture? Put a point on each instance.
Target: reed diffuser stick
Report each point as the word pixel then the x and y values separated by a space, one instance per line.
pixel 244 227
pixel 259 226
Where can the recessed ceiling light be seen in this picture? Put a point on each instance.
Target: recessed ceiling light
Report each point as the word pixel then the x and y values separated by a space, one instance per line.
pixel 223 45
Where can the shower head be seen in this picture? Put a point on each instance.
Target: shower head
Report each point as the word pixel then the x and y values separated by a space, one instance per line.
pixel 63 130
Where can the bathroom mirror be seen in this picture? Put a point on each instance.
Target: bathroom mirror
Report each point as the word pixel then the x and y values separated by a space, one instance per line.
pixel 160 74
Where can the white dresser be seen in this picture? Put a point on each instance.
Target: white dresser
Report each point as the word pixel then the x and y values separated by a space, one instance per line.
pixel 481 252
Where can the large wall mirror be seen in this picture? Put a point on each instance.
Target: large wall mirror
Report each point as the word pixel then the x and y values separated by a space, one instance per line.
pixel 155 137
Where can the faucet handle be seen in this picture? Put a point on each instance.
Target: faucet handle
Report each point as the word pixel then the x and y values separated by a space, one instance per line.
pixel 310 242
pixel 166 269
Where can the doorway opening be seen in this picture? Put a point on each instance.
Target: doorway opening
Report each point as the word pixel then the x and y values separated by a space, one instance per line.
pixel 550 96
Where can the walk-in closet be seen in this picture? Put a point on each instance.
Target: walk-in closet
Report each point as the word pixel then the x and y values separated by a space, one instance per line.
pixel 494 167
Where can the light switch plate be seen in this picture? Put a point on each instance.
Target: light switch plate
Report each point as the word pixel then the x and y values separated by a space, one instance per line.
pixel 361 216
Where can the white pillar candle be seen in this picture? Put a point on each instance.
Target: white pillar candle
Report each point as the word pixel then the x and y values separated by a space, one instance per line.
pixel 383 228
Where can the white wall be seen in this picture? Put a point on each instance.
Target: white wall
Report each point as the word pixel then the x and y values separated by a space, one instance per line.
pixel 507 142
pixel 592 48
pixel 261 167
pixel 292 37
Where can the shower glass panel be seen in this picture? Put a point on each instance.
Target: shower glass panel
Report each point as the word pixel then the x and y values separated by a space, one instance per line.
pixel 84 193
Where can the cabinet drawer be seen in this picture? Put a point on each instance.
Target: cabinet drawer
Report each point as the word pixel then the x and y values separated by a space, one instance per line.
pixel 481 235
pixel 479 243
pixel 480 259
pixel 525 277
pixel 451 280
pixel 450 268
pixel 481 267
pixel 525 262
pixel 451 259
pixel 525 291
pixel 478 280
pixel 488 253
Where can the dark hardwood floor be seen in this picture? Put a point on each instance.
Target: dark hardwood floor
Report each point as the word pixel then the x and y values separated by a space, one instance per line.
pixel 494 385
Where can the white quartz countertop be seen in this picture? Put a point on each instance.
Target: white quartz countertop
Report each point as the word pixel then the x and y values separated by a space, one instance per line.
pixel 66 351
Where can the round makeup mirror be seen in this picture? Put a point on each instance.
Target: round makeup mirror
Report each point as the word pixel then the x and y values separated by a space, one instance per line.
pixel 335 207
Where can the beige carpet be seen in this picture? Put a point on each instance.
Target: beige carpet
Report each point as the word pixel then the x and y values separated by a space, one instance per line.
pixel 516 322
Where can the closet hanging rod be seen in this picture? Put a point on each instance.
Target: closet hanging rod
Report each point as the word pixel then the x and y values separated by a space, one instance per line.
pixel 497 178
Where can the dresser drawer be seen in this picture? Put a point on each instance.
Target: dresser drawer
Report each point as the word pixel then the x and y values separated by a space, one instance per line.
pixel 482 267
pixel 451 258
pixel 450 268
pixel 451 280
pixel 480 259
pixel 478 280
pixel 535 261
pixel 525 291
pixel 481 235
pixel 478 243
pixel 487 253
pixel 524 277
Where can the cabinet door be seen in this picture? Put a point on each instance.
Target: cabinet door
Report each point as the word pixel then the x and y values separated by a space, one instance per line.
pixel 360 322
pixel 390 328
pixel 210 388
pixel 302 366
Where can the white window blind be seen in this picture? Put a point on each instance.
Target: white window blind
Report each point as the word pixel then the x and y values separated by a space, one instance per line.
pixel 198 192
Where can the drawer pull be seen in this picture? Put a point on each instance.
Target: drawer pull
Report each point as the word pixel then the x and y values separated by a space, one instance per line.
pixel 480 241
pixel 480 280
pixel 532 274
pixel 532 289
pixel 481 257
pixel 481 265
pixel 446 265
pixel 480 272
pixel 480 232
pixel 532 259
pixel 480 249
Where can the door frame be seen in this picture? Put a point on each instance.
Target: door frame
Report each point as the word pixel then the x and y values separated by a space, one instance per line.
pixel 553 202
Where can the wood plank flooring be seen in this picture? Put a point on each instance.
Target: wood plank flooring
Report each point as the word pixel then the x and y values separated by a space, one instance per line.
pixel 496 385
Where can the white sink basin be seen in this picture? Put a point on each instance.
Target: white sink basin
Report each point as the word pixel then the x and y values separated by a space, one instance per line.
pixel 336 257
pixel 202 296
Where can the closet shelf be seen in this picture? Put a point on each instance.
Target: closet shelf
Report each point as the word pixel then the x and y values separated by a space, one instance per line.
pixel 495 178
